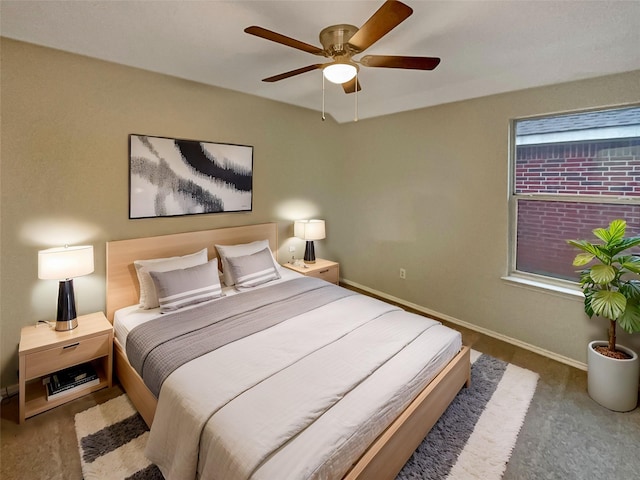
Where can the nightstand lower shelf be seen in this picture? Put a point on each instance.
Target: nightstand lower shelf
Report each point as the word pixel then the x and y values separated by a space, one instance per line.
pixel 35 398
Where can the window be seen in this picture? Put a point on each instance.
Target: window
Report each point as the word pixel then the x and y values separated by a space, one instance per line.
pixel 571 173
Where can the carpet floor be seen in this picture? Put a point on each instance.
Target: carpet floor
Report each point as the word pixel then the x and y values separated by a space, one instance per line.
pixel 472 440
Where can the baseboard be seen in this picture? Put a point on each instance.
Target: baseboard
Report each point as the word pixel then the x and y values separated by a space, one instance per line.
pixel 432 313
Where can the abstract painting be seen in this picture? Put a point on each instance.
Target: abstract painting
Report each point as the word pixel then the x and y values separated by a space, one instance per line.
pixel 170 177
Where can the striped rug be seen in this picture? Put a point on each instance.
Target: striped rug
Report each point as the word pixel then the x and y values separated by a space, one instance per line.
pixel 475 436
pixel 472 440
pixel 112 437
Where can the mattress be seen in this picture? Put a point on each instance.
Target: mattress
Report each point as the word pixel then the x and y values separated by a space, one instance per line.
pixel 302 399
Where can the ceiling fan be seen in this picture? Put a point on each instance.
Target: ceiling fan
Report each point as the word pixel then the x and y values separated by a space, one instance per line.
pixel 341 42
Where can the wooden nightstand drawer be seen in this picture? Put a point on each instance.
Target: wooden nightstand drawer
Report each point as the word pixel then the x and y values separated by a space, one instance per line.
pixel 324 269
pixel 329 274
pixel 62 356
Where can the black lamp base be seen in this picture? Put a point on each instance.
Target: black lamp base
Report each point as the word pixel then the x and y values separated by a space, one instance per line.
pixel 67 318
pixel 309 252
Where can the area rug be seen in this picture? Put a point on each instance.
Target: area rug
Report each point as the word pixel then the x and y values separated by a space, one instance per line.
pixel 472 440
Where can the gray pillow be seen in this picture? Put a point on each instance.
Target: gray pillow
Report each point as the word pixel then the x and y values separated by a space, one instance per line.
pixel 148 294
pixel 187 286
pixel 252 270
pixel 226 251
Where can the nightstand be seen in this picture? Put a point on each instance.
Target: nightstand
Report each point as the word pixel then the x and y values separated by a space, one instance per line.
pixel 324 269
pixel 43 351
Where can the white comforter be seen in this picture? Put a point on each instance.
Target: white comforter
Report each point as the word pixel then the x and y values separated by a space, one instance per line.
pixel 299 400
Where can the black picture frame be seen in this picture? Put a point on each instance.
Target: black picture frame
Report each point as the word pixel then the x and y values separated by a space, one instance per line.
pixel 171 177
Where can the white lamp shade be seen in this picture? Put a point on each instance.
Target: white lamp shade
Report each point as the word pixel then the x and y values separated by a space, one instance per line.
pixel 339 72
pixel 65 262
pixel 309 229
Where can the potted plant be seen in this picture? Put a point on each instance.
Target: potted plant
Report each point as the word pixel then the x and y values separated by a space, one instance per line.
pixel 611 287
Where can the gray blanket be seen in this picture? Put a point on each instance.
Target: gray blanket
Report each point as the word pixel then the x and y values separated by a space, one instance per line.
pixel 155 349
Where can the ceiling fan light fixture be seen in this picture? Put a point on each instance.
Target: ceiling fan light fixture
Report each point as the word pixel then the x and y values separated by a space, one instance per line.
pixel 339 72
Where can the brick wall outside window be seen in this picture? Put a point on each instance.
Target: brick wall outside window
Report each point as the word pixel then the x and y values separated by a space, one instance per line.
pixel 602 168
pixel 596 168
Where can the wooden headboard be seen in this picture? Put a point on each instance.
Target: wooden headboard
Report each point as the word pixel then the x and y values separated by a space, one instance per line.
pixel 122 281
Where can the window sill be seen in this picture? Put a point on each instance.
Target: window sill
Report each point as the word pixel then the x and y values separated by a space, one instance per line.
pixel 567 291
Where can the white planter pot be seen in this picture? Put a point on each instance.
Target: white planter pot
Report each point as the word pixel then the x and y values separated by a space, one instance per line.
pixel 613 383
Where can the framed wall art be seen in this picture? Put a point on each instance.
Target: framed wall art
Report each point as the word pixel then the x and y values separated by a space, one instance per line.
pixel 170 177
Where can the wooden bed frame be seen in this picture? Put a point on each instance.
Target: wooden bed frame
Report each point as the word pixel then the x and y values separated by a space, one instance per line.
pixel 389 452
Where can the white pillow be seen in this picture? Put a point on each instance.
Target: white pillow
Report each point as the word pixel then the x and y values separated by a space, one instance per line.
pixel 240 250
pixel 148 294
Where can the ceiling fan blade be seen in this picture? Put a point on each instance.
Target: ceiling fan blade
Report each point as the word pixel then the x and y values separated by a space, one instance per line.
pixel 284 40
pixel 293 73
pixel 351 85
pixel 391 14
pixel 393 61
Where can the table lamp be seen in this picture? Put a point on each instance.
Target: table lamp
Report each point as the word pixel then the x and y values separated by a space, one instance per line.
pixel 309 230
pixel 64 264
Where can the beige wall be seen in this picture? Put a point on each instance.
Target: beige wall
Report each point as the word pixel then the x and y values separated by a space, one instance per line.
pixel 65 126
pixel 425 190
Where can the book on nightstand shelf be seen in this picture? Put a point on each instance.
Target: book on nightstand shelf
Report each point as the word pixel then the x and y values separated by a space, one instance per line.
pixel 70 380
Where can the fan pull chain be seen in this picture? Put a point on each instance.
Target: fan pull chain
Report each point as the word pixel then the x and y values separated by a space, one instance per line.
pixel 323 97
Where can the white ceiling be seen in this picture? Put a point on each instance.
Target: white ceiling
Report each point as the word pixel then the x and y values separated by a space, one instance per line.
pixel 486 46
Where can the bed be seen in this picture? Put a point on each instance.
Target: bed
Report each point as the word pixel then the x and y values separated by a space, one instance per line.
pixel 320 397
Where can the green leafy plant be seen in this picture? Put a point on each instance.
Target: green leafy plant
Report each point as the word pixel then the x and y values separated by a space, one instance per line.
pixel 611 286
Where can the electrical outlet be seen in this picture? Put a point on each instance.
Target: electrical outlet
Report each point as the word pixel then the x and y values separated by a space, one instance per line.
pixel 403 273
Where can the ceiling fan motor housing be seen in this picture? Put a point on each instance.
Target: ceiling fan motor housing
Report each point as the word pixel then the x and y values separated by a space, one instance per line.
pixel 335 40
